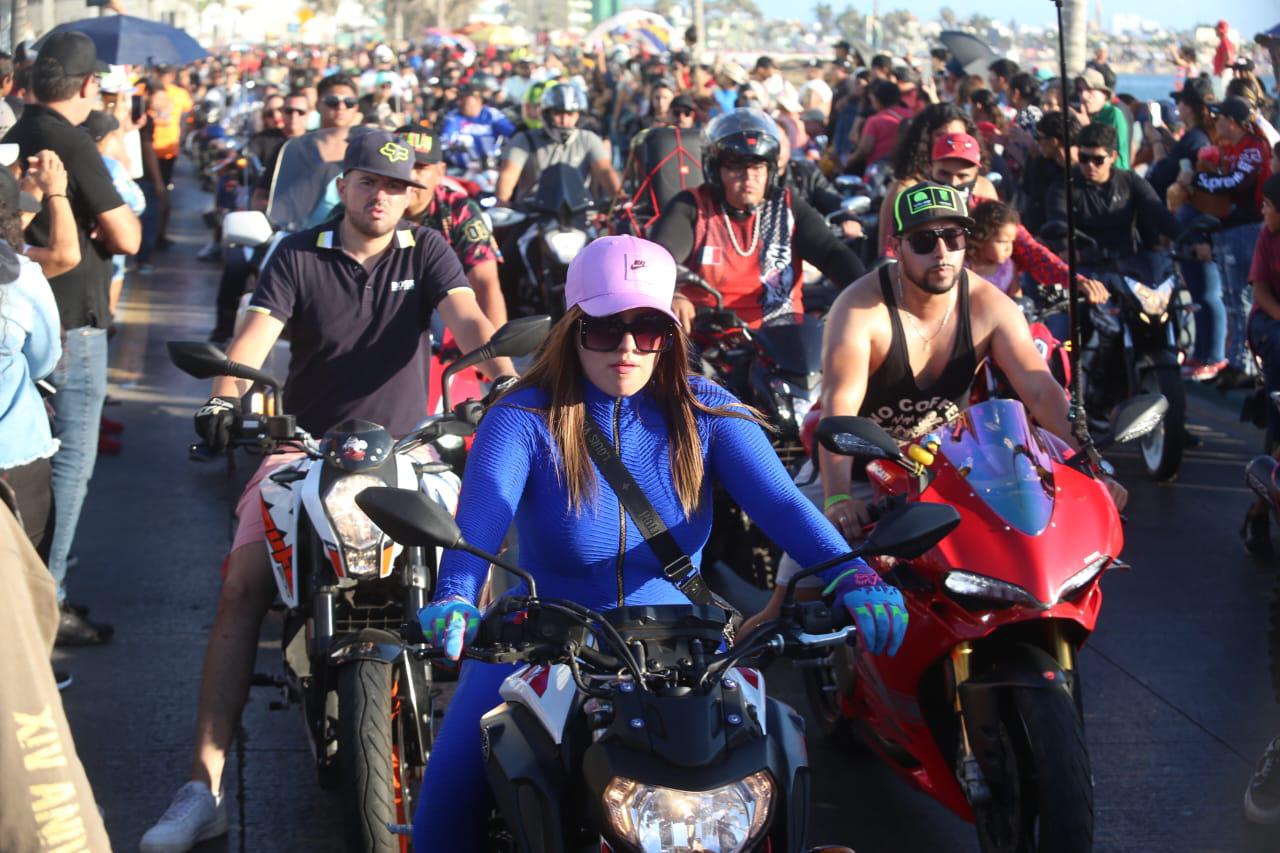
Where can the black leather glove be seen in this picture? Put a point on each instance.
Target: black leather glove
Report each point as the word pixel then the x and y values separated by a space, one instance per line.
pixel 214 420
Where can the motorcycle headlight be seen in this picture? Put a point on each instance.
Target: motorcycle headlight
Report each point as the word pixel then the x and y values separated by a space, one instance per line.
pixel 981 586
pixel 356 532
pixel 666 820
pixel 1082 577
pixel 1154 300
pixel 565 243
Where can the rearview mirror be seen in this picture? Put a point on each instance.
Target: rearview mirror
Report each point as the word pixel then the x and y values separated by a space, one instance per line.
pixel 911 531
pixel 200 359
pixel 1138 416
pixel 203 360
pixel 858 437
pixel 248 228
pixel 995 178
pixel 519 337
pixel 504 217
pixel 848 183
pixel 856 205
pixel 409 517
pixel 1055 230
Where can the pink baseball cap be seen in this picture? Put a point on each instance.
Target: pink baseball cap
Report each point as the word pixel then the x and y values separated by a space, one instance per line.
pixel 961 146
pixel 615 274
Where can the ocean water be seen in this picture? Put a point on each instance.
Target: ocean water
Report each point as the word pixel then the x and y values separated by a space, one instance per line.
pixel 1149 87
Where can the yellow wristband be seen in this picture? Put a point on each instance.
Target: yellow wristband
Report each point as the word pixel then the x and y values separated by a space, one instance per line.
pixel 833 500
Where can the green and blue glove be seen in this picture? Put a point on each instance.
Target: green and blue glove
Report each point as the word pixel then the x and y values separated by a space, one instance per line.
pixel 450 624
pixel 877 608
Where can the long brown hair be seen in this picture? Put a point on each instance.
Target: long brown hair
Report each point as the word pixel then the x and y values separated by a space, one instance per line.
pixel 558 372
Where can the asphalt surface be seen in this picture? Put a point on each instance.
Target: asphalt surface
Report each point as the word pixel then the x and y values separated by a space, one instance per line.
pixel 1178 702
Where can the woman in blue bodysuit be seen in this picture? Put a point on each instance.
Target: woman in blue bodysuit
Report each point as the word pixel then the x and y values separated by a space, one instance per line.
pixel 618 357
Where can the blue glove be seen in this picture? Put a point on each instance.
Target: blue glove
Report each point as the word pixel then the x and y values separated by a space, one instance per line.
pixel 877 608
pixel 450 624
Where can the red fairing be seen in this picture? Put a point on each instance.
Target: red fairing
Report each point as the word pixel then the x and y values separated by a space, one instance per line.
pixel 1072 525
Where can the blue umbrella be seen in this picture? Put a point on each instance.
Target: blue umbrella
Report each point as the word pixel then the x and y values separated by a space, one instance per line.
pixel 126 40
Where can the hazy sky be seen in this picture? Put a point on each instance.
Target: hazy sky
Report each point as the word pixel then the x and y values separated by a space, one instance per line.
pixel 1249 16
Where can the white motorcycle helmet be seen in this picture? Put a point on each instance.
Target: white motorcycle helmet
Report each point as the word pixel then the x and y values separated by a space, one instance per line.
pixel 565 98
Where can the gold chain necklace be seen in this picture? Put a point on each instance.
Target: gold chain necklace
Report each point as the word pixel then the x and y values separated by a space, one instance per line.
pixel 915 324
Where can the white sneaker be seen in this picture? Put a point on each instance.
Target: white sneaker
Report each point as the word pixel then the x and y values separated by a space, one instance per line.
pixel 193 816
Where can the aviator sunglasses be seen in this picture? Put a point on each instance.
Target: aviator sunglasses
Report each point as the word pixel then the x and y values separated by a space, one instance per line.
pixel 652 332
pixel 922 242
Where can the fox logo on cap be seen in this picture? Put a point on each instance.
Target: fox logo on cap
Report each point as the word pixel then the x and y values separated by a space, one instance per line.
pixel 394 153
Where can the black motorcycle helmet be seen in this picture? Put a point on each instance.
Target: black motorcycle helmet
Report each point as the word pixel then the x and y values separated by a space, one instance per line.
pixel 741 134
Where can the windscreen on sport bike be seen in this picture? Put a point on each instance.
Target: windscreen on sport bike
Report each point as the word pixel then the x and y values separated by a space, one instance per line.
pixel 994 449
pixel 303 191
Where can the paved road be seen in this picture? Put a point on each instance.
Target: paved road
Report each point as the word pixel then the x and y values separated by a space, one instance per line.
pixel 1178 703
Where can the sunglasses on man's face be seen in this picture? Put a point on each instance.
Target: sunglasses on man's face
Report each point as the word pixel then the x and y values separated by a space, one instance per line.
pixel 290 111
pixel 923 242
pixel 652 332
pixel 1093 159
pixel 333 102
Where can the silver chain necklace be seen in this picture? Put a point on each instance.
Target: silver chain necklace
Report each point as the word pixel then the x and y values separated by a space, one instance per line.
pixel 915 324
pixel 755 235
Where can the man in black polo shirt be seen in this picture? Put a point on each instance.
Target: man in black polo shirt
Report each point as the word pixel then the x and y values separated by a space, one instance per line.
pixel 357 294
pixel 65 84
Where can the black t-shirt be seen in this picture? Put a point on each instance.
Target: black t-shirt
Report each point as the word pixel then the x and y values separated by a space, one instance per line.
pixel 360 340
pixel 81 292
pixel 266 147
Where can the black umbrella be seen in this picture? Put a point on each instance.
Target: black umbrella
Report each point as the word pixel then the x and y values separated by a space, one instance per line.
pixel 126 40
pixel 968 50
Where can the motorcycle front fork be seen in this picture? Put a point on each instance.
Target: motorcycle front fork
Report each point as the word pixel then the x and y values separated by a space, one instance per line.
pixel 968 772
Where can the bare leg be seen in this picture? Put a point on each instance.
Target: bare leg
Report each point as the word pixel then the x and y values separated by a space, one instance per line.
pixel 246 595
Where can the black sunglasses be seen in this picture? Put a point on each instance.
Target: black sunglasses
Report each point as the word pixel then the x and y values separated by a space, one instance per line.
pixel 1093 159
pixel 922 242
pixel 293 112
pixel 652 332
pixel 333 102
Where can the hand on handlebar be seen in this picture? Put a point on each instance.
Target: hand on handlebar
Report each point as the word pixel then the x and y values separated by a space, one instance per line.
pixel 1094 291
pixel 214 420
pixel 876 607
pixel 852 229
pixel 450 624
pixel 850 517
pixel 684 310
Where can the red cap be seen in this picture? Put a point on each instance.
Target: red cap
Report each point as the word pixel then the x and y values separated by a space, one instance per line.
pixel 1223 26
pixel 961 146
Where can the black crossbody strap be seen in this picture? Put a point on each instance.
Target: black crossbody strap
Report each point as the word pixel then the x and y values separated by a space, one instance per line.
pixel 676 565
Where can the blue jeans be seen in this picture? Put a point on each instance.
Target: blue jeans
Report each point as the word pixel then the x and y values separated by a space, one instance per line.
pixel 1233 248
pixel 81 380
pixel 1264 340
pixel 1204 280
pixel 149 219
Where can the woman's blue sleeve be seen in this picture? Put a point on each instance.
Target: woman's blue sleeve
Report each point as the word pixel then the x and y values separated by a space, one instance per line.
pixel 749 468
pixel 492 485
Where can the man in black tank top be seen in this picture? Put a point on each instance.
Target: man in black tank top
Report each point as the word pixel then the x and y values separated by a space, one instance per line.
pixel 903 343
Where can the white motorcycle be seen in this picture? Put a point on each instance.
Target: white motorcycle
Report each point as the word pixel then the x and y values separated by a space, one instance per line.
pixel 348 590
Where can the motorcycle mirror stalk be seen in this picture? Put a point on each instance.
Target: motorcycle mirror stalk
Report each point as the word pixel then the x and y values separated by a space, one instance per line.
pixel 516 338
pixel 203 360
pixel 414 520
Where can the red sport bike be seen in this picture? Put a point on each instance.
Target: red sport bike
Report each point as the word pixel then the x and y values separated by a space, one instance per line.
pixel 982 706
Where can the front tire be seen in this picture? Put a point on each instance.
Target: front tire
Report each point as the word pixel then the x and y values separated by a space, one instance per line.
pixel 365 756
pixel 1162 447
pixel 1045 804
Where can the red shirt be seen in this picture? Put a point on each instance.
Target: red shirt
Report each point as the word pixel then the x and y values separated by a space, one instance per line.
pixel 1265 268
pixel 882 129
pixel 1244 167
